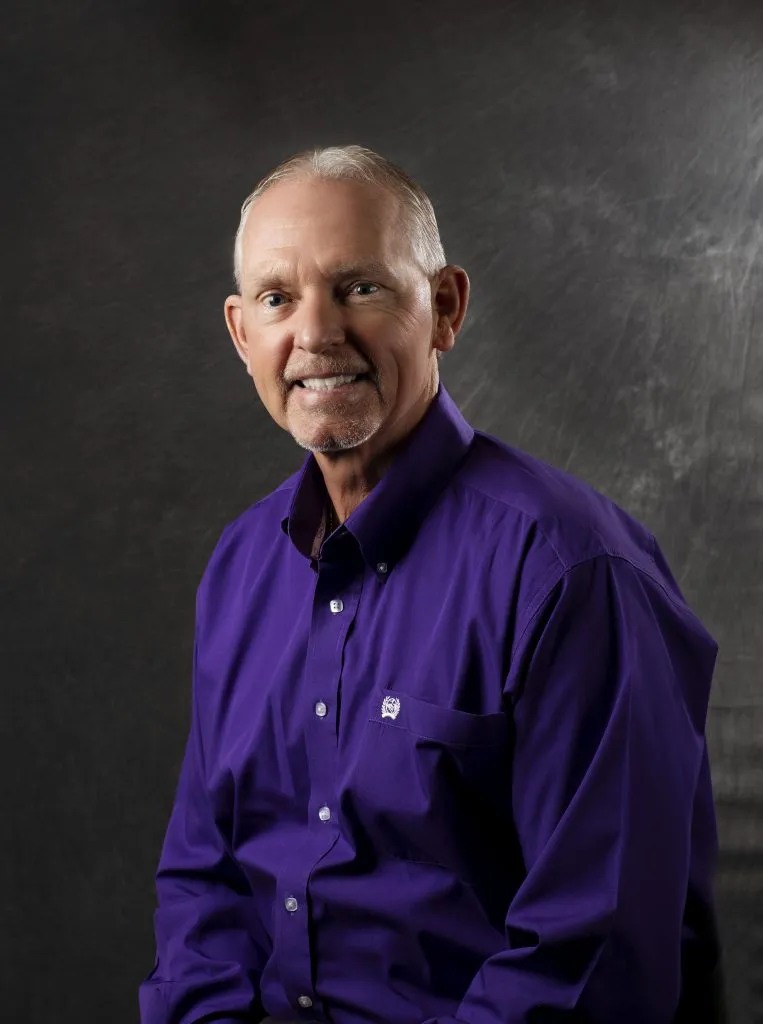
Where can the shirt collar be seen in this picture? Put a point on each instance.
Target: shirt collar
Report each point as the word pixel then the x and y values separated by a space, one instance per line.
pixel 387 520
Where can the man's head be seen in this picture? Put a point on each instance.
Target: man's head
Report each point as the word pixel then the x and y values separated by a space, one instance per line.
pixel 339 270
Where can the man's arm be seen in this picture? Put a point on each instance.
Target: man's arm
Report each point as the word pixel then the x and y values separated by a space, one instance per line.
pixel 207 964
pixel 610 683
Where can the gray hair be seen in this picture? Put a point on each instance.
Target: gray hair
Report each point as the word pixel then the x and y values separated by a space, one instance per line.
pixel 355 163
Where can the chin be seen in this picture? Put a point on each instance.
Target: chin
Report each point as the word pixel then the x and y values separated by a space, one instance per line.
pixel 328 440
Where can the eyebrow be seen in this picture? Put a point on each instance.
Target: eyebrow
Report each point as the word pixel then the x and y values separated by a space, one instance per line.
pixel 275 276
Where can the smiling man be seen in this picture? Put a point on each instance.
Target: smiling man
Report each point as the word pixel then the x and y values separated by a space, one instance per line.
pixel 338 323
pixel 446 760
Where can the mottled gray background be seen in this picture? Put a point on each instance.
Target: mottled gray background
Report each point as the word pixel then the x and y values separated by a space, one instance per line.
pixel 597 169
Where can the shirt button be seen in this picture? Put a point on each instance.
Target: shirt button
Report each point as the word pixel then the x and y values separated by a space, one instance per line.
pixel 381 566
pixel 305 1001
pixel 321 709
pixel 336 606
pixel 324 813
pixel 291 904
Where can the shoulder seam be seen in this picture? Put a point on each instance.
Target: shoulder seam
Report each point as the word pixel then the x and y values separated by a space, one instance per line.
pixel 545 588
pixel 504 504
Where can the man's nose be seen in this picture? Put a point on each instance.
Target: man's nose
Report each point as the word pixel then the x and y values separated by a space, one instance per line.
pixel 320 322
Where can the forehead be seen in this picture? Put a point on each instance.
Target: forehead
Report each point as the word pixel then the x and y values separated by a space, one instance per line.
pixel 324 222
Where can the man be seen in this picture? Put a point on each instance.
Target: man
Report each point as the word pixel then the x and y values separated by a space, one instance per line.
pixel 446 759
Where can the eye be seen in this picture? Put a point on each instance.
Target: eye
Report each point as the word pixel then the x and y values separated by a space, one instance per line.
pixel 273 295
pixel 365 284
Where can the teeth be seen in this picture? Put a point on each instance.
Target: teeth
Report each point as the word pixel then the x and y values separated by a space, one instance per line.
pixel 327 383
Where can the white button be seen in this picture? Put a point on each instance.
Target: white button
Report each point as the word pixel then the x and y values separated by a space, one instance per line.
pixel 336 606
pixel 305 1001
pixel 291 904
pixel 321 709
pixel 381 567
pixel 324 813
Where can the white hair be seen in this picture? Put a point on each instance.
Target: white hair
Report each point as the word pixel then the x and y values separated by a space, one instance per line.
pixel 356 163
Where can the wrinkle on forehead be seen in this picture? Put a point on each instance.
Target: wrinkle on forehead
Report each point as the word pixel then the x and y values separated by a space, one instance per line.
pixel 270 274
pixel 365 227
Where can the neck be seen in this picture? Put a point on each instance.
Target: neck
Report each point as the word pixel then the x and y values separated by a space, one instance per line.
pixel 332 519
pixel 350 475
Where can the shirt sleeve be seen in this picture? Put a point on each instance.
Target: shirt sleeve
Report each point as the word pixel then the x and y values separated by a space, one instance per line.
pixel 609 685
pixel 207 966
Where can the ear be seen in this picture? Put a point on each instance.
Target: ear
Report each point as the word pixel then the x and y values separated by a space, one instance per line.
pixel 450 297
pixel 234 319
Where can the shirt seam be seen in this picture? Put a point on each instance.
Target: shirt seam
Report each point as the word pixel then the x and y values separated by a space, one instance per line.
pixel 605 551
pixel 544 591
pixel 504 504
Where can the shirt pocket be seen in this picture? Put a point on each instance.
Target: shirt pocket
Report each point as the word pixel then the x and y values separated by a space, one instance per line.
pixel 431 783
pixel 434 722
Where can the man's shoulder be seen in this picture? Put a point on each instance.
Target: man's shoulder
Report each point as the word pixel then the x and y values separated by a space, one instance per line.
pixel 572 516
pixel 252 530
pixel 524 494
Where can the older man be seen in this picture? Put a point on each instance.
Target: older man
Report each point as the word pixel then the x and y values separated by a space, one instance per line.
pixel 446 760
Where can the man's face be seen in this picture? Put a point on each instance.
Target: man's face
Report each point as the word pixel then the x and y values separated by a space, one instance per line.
pixel 330 286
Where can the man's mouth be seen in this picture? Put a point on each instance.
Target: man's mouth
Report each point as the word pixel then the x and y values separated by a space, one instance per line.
pixel 330 383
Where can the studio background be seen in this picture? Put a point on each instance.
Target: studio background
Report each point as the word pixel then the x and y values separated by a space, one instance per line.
pixel 596 168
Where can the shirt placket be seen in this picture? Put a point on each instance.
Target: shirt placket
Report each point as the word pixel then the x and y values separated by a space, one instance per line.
pixel 337 595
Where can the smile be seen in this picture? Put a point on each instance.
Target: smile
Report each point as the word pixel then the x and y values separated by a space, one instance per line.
pixel 331 385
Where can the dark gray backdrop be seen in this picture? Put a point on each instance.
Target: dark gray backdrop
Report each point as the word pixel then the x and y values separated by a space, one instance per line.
pixel 597 169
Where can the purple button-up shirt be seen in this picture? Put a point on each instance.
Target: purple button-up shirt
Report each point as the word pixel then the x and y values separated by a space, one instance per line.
pixel 451 770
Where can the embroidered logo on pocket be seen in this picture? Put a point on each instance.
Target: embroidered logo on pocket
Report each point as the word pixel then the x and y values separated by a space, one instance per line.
pixel 390 707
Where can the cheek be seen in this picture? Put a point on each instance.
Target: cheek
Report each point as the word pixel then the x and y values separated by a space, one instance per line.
pixel 267 376
pixel 268 355
pixel 406 329
pixel 418 323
